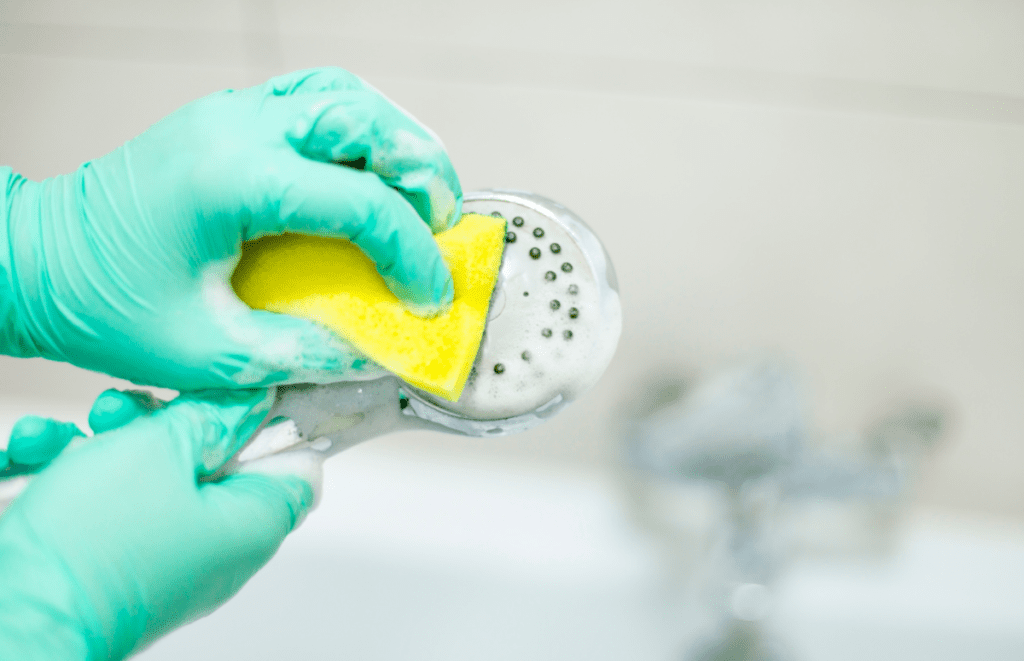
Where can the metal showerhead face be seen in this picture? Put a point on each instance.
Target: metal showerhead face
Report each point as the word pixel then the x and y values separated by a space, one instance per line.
pixel 553 324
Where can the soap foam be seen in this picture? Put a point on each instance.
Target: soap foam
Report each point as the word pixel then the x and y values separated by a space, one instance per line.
pixel 558 368
pixel 298 350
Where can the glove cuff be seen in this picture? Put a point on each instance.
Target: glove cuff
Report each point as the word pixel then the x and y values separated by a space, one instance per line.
pixel 9 181
pixel 14 339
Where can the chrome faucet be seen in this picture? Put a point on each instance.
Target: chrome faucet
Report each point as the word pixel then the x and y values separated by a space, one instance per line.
pixel 743 435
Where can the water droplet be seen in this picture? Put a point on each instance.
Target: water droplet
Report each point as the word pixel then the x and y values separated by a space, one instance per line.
pixel 498 368
pixel 573 289
pixel 538 232
pixel 573 313
pixel 496 214
pixel 510 237
pixel 517 221
pixel 526 356
pixel 567 267
pixel 321 444
pixel 555 248
pixel 535 253
pixel 550 275
pixel 567 334
pixel 546 332
pixel 555 304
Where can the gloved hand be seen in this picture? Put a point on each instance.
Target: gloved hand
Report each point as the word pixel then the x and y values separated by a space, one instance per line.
pixel 123 266
pixel 119 541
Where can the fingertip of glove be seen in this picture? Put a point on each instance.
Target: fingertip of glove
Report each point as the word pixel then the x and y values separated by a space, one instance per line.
pixel 30 425
pixel 445 210
pixel 283 499
pixel 112 409
pixel 430 303
pixel 116 408
pixel 298 474
pixel 35 440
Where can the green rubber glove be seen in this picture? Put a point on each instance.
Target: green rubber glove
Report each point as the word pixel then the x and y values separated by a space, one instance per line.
pixel 123 266
pixel 119 540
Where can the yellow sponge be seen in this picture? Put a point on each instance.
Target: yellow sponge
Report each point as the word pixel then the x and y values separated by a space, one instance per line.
pixel 331 282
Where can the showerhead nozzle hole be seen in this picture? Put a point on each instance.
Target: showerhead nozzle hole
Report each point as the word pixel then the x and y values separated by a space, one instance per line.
pixel 518 221
pixel 550 275
pixel 555 248
pixel 535 253
pixel 538 232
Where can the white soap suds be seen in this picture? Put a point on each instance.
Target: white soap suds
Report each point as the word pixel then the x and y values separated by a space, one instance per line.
pixel 292 349
pixel 321 444
pixel 504 383
pixel 270 440
pixel 401 162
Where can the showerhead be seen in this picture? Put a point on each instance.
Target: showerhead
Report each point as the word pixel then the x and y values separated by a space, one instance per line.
pixel 552 328
pixel 553 323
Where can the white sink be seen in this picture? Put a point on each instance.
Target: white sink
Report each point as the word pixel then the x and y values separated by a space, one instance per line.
pixel 426 557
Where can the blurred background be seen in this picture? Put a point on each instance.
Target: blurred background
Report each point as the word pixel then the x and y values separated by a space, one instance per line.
pixel 836 184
